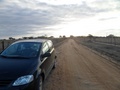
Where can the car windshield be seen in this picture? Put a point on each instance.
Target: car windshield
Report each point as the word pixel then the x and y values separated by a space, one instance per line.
pixel 22 50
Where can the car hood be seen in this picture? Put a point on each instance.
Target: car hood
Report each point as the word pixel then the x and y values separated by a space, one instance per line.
pixel 12 68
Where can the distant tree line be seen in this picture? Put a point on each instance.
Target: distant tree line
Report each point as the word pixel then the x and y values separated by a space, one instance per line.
pixel 112 39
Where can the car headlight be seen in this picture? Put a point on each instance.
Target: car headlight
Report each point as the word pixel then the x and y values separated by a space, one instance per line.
pixel 23 80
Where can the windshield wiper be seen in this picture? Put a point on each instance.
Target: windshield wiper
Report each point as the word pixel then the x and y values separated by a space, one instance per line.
pixel 15 56
pixel 18 56
pixel 4 56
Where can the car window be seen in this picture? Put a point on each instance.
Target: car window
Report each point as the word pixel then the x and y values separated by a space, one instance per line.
pixel 23 49
pixel 50 44
pixel 11 50
pixel 45 48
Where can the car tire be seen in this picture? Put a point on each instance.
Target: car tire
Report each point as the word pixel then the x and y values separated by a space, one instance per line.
pixel 39 84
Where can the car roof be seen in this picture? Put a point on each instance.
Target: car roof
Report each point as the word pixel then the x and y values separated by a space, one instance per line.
pixel 32 40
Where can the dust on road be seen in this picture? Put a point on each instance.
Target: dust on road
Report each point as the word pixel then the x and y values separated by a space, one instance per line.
pixel 80 69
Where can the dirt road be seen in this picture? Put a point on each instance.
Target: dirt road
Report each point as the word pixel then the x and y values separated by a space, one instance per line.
pixel 80 69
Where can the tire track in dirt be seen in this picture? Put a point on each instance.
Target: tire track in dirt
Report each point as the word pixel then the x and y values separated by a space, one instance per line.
pixel 80 69
pixel 103 73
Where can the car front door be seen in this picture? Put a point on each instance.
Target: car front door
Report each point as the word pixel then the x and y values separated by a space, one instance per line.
pixel 45 66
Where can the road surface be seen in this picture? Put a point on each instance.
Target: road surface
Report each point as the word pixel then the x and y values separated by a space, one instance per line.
pixel 78 68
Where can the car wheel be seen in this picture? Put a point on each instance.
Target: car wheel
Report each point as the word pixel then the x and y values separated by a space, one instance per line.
pixel 39 85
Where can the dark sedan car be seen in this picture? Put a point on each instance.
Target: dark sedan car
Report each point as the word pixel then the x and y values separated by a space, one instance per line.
pixel 25 64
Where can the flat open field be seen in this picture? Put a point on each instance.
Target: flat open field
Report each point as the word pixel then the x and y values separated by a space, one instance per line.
pixel 78 68
pixel 108 49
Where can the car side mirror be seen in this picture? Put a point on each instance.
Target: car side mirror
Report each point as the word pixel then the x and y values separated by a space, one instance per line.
pixel 47 54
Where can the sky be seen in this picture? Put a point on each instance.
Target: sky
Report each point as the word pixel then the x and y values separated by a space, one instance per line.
pixel 22 18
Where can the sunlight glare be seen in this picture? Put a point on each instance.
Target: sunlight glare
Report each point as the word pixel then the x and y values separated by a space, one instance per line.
pixel 76 28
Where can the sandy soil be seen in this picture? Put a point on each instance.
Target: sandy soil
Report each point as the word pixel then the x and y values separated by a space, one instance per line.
pixel 80 69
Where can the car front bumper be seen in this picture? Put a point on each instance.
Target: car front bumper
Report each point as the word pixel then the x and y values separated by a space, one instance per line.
pixel 30 86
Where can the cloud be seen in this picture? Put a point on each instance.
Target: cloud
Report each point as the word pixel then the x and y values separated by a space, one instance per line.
pixel 109 18
pixel 18 15
pixel 108 32
pixel 29 16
